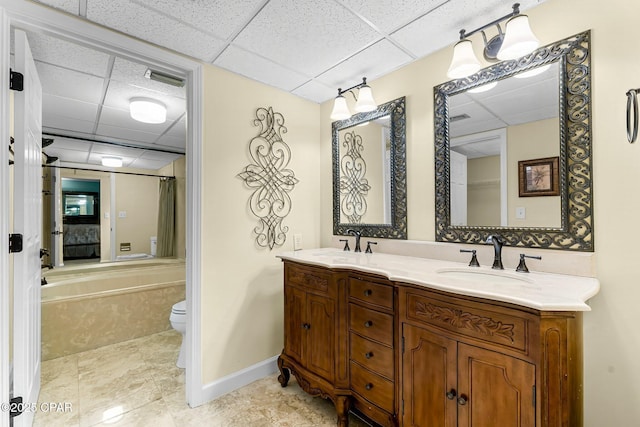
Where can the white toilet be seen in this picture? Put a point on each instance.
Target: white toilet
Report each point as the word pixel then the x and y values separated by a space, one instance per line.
pixel 178 321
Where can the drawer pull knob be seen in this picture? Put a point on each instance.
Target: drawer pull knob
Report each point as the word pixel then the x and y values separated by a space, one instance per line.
pixel 368 293
pixel 462 400
pixel 306 326
pixel 368 355
pixel 368 324
pixel 369 386
pixel 451 394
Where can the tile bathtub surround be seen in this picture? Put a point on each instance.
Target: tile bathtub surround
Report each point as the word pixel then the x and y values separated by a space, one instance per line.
pixel 136 383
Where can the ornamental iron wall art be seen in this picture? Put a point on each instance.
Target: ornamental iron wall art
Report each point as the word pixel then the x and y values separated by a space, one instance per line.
pixel 269 177
pixel 354 187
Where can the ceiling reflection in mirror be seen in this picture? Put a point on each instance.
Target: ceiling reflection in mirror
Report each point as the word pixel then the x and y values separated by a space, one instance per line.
pixel 516 119
pixel 524 123
pixel 369 179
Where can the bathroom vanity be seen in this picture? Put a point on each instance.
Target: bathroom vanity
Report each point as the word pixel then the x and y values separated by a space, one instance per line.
pixel 410 341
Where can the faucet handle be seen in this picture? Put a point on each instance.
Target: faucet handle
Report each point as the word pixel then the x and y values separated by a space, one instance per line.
pixel 346 245
pixel 368 250
pixel 474 259
pixel 522 266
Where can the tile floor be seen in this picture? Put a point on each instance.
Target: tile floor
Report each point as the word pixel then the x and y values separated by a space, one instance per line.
pixel 136 383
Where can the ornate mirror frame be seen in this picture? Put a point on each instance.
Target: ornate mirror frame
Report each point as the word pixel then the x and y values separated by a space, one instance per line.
pixel 576 229
pixel 397 229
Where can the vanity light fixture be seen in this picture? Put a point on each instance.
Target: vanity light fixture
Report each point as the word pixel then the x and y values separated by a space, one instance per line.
pixel 112 162
pixel 364 101
pixel 516 40
pixel 147 110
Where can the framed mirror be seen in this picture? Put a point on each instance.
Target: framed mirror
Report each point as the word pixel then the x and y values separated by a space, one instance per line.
pixel 513 151
pixel 369 172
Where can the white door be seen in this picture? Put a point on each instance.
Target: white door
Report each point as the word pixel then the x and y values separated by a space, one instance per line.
pixel 28 222
pixel 458 188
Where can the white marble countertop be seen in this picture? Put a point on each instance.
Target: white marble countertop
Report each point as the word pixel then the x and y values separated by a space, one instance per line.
pixel 541 291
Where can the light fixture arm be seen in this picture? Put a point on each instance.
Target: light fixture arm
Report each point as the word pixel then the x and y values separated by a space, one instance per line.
pixel 516 11
pixel 351 89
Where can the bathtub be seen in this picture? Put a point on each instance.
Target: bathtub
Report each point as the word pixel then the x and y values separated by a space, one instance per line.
pixel 90 306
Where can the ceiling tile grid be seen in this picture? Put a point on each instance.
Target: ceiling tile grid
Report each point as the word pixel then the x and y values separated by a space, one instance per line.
pixel 132 73
pixel 70 84
pixel 388 15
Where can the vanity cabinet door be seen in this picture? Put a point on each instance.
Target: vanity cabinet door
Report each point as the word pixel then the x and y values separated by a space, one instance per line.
pixel 320 345
pixel 429 374
pixel 494 388
pixel 448 383
pixel 295 303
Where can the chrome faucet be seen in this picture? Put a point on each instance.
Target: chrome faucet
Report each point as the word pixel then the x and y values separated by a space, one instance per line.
pixel 497 248
pixel 357 234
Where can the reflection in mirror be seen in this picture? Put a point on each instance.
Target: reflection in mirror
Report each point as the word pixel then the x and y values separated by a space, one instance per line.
pixel 365 184
pixel 369 179
pixel 490 132
pixel 534 112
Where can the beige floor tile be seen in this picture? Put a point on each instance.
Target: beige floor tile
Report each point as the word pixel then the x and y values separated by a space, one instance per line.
pixel 154 414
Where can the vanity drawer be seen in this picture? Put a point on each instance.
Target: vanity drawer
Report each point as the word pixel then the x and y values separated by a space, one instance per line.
pixel 306 277
pixel 371 324
pixel 372 387
pixel 503 326
pixel 373 356
pixel 370 292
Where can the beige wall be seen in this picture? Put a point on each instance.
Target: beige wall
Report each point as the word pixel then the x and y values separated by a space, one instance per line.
pixel 242 298
pixel 483 191
pixel 533 140
pixel 136 196
pixel 611 344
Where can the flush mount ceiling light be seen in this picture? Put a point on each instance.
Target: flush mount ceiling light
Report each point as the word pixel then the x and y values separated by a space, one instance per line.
pixel 147 110
pixel 364 101
pixel 112 162
pixel 515 41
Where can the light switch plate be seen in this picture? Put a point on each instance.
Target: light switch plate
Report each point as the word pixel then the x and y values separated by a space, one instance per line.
pixel 521 213
pixel 122 214
pixel 297 242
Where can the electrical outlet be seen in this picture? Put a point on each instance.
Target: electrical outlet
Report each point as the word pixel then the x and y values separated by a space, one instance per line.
pixel 122 214
pixel 521 213
pixel 297 242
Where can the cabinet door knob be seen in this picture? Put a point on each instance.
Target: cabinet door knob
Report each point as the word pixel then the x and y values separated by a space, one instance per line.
pixel 368 293
pixel 368 324
pixel 306 326
pixel 462 400
pixel 368 355
pixel 369 386
pixel 451 394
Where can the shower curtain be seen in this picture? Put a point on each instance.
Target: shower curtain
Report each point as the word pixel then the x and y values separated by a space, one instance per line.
pixel 166 218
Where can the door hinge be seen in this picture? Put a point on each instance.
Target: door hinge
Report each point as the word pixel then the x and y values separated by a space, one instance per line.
pixel 534 396
pixel 15 243
pixel 16 80
pixel 15 406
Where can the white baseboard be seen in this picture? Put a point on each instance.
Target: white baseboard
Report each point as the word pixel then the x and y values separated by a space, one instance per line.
pixel 239 379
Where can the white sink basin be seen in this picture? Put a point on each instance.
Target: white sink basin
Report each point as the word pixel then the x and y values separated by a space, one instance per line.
pixel 484 276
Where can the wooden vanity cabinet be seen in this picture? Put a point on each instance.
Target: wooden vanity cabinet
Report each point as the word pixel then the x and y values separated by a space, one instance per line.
pixel 408 355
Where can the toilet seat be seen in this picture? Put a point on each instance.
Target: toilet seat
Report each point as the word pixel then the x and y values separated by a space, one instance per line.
pixel 179 307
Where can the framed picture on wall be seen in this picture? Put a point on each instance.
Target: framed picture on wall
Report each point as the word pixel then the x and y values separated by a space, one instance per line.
pixel 538 177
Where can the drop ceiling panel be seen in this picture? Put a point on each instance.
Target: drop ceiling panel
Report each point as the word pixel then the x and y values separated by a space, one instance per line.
pixel 132 73
pixel 131 135
pixel 221 18
pixel 257 68
pixel 316 91
pixel 171 142
pixel 54 124
pixel 114 150
pixel 70 84
pixel 68 155
pixel 71 6
pixel 70 144
pixel 387 15
pixel 308 37
pixel 179 129
pixel 68 107
pixel 154 27
pixel 63 54
pixel 365 64
pixel 148 164
pixel 155 155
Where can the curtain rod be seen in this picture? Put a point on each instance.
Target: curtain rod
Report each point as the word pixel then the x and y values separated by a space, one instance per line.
pixel 100 170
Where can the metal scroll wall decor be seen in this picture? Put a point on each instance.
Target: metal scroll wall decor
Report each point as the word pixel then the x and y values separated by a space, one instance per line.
pixel 269 177
pixel 353 185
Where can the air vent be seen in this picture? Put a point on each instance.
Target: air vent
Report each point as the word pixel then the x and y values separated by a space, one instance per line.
pixel 459 117
pixel 164 78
